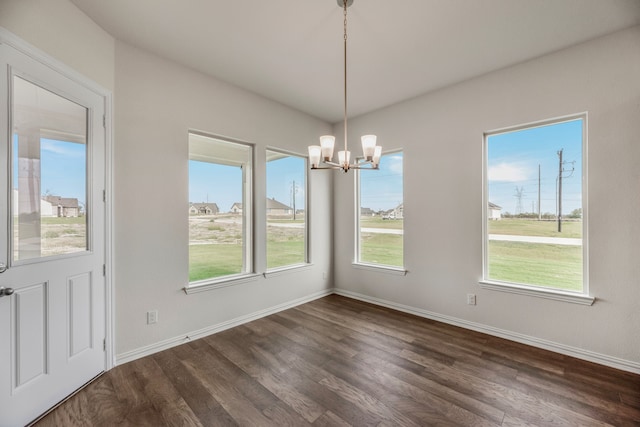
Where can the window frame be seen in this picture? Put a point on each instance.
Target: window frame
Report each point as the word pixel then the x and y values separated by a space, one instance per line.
pixel 306 261
pixel 578 297
pixel 357 262
pixel 248 272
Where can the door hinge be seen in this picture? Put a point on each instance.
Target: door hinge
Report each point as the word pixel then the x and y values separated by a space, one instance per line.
pixel 104 270
pixel 104 121
pixel 104 344
pixel 104 195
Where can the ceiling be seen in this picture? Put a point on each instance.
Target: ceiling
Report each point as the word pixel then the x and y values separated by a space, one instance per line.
pixel 291 50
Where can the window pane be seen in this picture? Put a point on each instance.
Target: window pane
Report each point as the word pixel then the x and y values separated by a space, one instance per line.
pixel 219 208
pixel 286 212
pixel 534 212
pixel 382 213
pixel 49 173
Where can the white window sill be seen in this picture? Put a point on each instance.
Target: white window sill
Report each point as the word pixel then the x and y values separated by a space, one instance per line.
pixel 208 285
pixel 572 297
pixel 381 268
pixel 286 270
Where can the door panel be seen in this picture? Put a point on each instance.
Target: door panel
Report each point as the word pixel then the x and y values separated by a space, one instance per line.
pixel 30 334
pixel 79 290
pixel 51 236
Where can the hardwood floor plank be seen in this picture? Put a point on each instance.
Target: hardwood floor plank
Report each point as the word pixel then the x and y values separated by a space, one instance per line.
pixel 162 394
pixel 337 361
pixel 204 405
pixel 329 419
pixel 420 406
pixel 265 368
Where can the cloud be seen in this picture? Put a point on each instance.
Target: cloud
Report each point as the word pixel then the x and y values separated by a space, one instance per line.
pixel 62 148
pixel 507 172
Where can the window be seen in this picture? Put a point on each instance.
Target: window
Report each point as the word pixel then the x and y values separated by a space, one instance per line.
pixel 380 214
pixel 49 173
pixel 219 208
pixel 286 210
pixel 534 206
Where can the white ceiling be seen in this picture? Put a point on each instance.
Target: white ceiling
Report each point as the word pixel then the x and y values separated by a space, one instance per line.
pixel 291 50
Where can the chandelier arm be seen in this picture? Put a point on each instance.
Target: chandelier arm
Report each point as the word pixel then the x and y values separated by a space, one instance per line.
pixel 326 167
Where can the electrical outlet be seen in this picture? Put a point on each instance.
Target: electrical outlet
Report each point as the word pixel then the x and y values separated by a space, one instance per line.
pixel 471 299
pixel 152 317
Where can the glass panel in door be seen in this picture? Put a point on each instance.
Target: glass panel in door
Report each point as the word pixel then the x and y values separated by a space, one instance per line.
pixel 49 173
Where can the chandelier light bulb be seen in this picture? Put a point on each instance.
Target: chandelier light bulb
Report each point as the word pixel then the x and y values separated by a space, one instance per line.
pixel 368 146
pixel 327 143
pixel 314 155
pixel 344 160
pixel 376 156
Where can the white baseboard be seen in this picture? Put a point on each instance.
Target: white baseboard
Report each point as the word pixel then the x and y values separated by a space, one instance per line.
pixel 209 330
pixel 602 359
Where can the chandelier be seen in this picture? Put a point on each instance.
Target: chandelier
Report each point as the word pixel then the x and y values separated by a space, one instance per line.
pixel 323 153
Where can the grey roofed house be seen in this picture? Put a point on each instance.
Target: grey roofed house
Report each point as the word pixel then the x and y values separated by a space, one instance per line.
pixel 64 206
pixel 203 209
pixel 275 207
pixel 367 212
pixel 236 208
pixel 494 211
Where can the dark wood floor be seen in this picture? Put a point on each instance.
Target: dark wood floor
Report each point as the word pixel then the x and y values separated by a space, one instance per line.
pixel 337 362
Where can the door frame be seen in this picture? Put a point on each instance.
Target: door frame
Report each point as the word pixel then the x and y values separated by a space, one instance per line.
pixel 10 39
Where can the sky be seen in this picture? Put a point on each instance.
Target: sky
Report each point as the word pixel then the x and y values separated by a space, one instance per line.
pixel 382 189
pixel 281 176
pixel 220 184
pixel 62 168
pixel 512 165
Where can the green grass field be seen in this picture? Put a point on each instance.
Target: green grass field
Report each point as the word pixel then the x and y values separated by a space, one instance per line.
pixel 280 254
pixel 527 227
pixel 377 222
pixel 555 266
pixel 547 265
pixel 217 260
pixel 210 261
pixel 383 249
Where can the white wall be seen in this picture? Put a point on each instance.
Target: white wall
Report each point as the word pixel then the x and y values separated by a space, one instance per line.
pixel 442 136
pixel 156 103
pixel 61 30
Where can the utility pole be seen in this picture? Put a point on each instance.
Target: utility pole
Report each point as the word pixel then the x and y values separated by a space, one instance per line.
pixel 294 190
pixel 560 190
pixel 539 211
pixel 518 196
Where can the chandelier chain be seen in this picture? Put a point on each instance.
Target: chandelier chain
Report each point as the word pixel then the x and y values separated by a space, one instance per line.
pixel 345 84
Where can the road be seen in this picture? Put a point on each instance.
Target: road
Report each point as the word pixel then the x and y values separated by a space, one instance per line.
pixel 537 239
pixel 500 237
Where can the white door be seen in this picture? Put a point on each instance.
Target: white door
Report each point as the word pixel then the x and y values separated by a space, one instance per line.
pixel 52 287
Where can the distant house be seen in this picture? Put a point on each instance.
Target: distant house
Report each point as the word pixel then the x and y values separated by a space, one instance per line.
pixel 367 212
pixel 46 208
pixel 494 212
pixel 66 207
pixel 236 208
pixel 399 211
pixel 274 207
pixel 203 209
pixel 396 213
